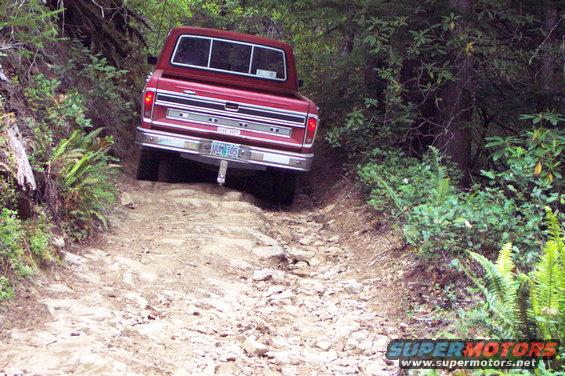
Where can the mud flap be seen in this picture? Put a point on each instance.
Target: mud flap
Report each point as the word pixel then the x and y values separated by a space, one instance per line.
pixel 222 172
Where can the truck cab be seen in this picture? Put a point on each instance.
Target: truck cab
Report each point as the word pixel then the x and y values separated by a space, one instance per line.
pixel 229 100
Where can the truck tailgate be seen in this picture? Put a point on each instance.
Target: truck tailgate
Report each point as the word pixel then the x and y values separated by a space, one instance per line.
pixel 230 114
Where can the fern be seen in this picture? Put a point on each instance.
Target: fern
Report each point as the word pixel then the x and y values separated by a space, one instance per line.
pixel 519 305
pixel 391 193
pixel 501 289
pixel 82 169
pixel 548 284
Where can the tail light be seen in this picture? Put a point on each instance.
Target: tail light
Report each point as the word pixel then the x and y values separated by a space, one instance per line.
pixel 148 100
pixel 311 128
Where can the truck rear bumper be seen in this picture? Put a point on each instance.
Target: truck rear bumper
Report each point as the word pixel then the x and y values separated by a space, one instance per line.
pixel 203 147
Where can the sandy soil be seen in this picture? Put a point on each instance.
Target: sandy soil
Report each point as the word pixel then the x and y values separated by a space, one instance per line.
pixel 198 279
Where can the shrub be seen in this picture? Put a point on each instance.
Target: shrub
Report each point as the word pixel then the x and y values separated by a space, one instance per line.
pixel 399 182
pixel 517 305
pixel 79 181
pixel 439 218
pixel 22 245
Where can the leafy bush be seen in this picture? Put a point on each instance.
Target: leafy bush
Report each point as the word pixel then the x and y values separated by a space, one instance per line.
pixel 399 182
pixel 22 245
pixel 523 306
pixel 30 23
pixel 440 218
pixel 79 181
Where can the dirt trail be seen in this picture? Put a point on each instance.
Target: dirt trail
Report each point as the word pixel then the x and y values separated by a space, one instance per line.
pixel 198 279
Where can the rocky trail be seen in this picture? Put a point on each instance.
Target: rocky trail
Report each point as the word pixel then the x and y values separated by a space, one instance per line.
pixel 196 279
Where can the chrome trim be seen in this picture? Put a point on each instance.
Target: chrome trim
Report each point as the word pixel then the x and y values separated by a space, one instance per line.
pixel 201 146
pixel 207 67
pixel 220 112
pixel 232 127
pixel 184 127
pixel 241 104
pixel 251 60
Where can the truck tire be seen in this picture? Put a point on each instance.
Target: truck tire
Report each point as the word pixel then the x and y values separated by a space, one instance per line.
pixel 148 165
pixel 169 169
pixel 284 187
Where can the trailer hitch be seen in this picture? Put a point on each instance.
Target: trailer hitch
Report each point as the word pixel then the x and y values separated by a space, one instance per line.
pixel 222 172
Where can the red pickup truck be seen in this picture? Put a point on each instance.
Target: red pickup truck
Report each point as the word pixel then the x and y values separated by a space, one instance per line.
pixel 229 100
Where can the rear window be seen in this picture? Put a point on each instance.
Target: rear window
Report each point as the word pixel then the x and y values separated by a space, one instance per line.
pixel 231 57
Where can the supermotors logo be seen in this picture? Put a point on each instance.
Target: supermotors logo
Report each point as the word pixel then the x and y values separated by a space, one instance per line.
pixel 453 354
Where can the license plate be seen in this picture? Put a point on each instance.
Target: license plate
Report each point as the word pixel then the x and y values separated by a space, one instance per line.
pixel 230 131
pixel 224 150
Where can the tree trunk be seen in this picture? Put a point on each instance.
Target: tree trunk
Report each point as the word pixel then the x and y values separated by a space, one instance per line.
pixel 456 107
pixel 548 60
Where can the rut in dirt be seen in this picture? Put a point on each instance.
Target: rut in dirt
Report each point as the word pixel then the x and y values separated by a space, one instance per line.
pixel 198 279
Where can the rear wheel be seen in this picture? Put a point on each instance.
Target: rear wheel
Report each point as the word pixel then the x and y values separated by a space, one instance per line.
pixel 284 187
pixel 170 169
pixel 148 165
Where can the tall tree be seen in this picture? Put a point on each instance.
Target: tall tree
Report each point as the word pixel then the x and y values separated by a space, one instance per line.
pixel 455 106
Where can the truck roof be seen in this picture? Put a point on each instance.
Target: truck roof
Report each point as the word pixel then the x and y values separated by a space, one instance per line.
pixel 233 35
pixel 289 86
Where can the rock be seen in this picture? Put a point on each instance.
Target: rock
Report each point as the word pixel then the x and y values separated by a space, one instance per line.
pixel 352 286
pixel 375 368
pixel 279 342
pixel 301 272
pixel 403 326
pixel 359 335
pixel 58 242
pixel 270 372
pixel 127 201
pixel 74 259
pixel 313 356
pixel 388 362
pixel 292 310
pixel 301 264
pixel 297 255
pixel 266 274
pixel 240 264
pixel 278 276
pixel 380 343
pixel 316 260
pixel 273 251
pixel 252 347
pixel 323 344
pixel 351 344
pixel 276 289
pixel 307 240
pixel 262 275
pixel 228 357
pixel 12 371
pixel 334 239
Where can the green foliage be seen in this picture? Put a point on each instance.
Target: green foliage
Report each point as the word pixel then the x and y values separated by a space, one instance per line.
pixel 547 294
pixel 22 245
pixel 439 218
pixel 518 305
pixel 54 116
pixel 105 92
pixel 80 180
pixel 504 311
pixel 11 246
pixel 30 26
pixel 6 290
pixel 533 170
